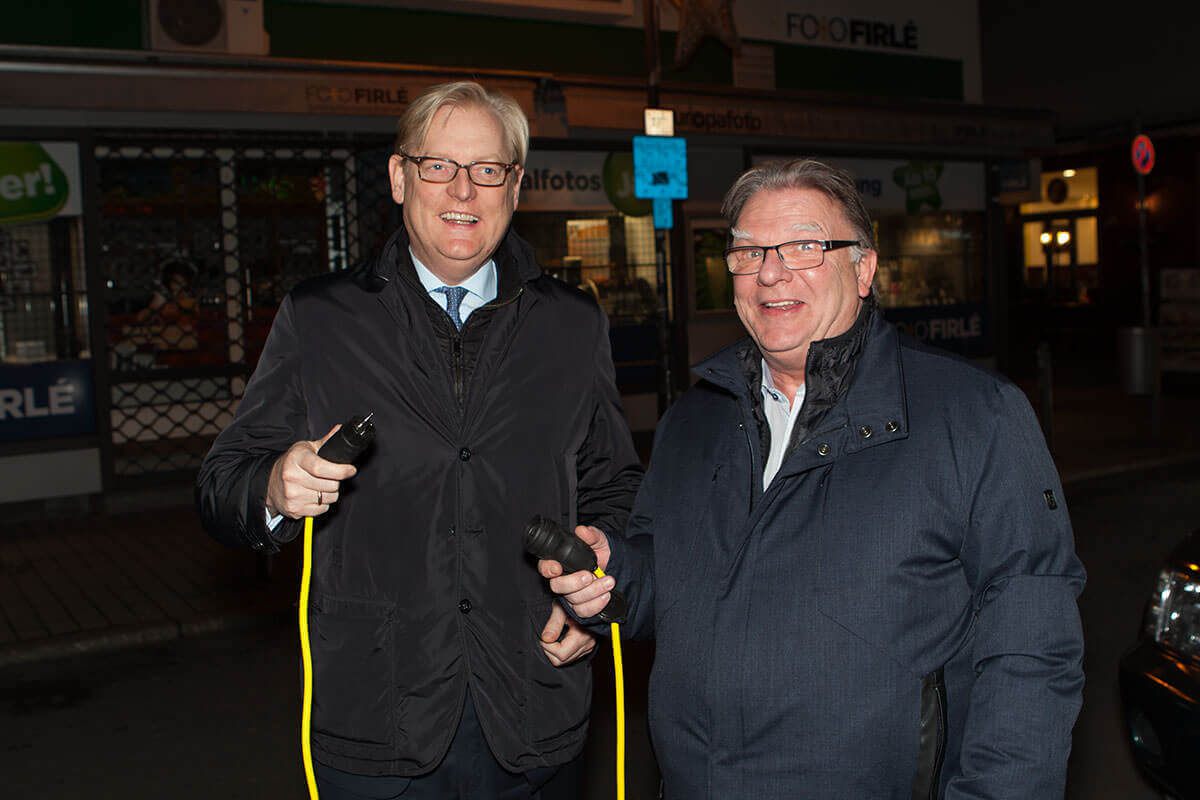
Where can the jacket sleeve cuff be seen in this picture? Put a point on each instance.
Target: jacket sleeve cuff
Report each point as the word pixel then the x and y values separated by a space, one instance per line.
pixel 259 536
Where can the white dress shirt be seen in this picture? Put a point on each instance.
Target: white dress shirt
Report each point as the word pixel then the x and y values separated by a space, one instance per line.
pixel 780 418
pixel 481 286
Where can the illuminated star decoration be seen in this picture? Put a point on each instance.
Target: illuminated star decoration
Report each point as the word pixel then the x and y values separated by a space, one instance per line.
pixel 699 19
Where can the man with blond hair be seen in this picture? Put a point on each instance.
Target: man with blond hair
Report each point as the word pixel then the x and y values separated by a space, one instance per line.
pixel 442 667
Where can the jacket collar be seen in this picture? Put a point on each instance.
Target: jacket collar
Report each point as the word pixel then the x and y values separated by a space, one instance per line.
pixel 738 367
pixel 853 380
pixel 516 265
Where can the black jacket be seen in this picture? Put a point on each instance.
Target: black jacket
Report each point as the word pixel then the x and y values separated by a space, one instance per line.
pixel 420 585
pixel 894 617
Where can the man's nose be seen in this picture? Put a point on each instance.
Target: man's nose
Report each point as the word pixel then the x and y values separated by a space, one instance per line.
pixel 773 270
pixel 461 187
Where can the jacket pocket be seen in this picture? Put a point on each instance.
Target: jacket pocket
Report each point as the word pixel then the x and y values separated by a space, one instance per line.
pixel 556 698
pixel 354 695
pixel 932 740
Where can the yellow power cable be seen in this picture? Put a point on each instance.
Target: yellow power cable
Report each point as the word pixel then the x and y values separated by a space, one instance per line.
pixel 306 657
pixel 619 681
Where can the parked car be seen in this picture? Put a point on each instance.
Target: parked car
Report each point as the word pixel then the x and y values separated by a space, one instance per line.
pixel 1160 677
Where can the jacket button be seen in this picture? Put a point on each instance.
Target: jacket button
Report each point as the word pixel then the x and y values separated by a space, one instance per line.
pixel 464 606
pixel 892 427
pixel 465 454
pixel 865 431
pixel 823 450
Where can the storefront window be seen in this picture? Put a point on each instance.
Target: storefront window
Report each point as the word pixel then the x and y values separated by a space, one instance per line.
pixel 929 259
pixel 610 256
pixel 45 380
pixel 43 307
pixel 1061 238
pixel 713 283
pixel 198 245
pixel 161 246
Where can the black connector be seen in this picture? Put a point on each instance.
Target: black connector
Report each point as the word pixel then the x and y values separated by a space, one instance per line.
pixel 345 446
pixel 546 539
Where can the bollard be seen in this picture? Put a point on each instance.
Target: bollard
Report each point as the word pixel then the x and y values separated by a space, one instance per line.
pixel 1046 392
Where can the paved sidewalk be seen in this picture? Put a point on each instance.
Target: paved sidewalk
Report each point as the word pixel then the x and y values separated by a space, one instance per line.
pixel 105 581
pixel 73 585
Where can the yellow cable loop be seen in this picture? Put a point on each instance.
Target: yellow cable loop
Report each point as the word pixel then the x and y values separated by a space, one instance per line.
pixel 619 680
pixel 306 657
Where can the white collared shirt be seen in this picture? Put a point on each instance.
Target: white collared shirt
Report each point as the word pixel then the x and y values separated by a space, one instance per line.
pixel 481 286
pixel 781 417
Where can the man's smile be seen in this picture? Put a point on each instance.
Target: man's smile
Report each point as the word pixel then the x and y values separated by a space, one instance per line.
pixel 458 217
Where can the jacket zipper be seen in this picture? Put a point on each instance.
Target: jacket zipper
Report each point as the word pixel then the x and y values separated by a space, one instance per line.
pixel 457 366
pixel 750 453
pixel 456 353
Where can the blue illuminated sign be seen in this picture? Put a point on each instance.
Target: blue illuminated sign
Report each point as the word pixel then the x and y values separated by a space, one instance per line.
pixel 39 401
pixel 660 167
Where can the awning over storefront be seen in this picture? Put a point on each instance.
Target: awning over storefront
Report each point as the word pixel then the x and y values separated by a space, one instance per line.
pixel 361 95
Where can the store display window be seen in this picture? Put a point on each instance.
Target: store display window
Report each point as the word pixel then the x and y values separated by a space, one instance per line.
pixel 609 256
pixel 46 386
pixel 933 259
pixel 1060 237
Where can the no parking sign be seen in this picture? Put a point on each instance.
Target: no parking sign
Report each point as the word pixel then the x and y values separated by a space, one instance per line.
pixel 1142 153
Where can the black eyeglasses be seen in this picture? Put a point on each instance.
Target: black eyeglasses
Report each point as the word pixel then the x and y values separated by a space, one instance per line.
pixel 444 170
pixel 800 254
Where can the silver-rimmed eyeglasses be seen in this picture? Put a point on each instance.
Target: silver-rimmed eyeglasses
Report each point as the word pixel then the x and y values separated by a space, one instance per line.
pixel 444 170
pixel 800 254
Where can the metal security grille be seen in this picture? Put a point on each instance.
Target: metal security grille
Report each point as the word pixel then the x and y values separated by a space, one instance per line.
pixel 199 242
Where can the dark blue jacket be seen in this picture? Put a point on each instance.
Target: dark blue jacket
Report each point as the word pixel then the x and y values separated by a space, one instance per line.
pixel 895 617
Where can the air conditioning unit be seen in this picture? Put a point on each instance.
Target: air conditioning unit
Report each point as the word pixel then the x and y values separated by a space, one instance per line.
pixel 207 26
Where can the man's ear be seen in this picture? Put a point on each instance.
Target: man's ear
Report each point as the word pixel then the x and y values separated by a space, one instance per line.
pixel 864 271
pixel 396 176
pixel 518 176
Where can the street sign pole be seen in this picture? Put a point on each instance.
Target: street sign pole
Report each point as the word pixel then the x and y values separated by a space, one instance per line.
pixel 1143 252
pixel 662 312
pixel 1142 154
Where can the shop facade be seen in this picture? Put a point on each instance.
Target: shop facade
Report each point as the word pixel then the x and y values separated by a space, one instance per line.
pixel 208 185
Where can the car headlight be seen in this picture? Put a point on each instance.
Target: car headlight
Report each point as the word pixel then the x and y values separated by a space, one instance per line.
pixel 1173 618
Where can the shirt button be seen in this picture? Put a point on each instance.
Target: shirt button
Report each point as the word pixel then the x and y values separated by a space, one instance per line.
pixel 892 426
pixel 465 454
pixel 823 450
pixel 865 431
pixel 465 606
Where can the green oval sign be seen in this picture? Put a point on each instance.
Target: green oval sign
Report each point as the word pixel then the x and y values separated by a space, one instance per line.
pixel 618 185
pixel 32 184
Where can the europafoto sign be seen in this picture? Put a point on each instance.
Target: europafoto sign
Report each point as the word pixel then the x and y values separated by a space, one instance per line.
pixel 38 181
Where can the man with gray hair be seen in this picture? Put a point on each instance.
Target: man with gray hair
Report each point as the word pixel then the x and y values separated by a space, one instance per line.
pixel 852 550
pixel 442 665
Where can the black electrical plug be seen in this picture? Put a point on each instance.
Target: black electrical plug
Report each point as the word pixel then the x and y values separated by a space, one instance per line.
pixel 345 446
pixel 547 540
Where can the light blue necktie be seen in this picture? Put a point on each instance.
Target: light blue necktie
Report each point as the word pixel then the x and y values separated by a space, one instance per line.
pixel 454 298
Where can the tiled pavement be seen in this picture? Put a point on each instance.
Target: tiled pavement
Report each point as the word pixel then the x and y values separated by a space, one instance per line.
pixel 102 581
